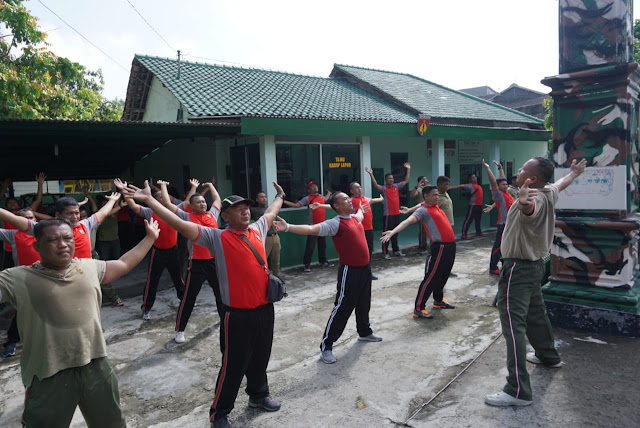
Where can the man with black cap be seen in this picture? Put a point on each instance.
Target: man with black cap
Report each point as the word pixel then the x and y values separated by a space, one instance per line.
pixel 248 320
pixel 315 217
pixel 354 274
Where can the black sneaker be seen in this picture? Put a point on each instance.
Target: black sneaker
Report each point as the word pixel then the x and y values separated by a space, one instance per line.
pixel 222 422
pixel 307 268
pixel 267 404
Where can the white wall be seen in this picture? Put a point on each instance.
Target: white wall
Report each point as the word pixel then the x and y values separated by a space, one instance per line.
pixel 162 105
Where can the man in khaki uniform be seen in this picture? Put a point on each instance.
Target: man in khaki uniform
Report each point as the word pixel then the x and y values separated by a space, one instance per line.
pixel 527 238
pixel 64 360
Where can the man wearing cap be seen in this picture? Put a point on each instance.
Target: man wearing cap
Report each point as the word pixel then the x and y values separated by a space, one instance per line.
pixel 248 320
pixel 315 217
pixel 391 217
pixel 354 274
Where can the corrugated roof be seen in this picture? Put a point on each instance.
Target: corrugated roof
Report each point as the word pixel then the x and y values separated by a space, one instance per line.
pixel 433 99
pixel 213 90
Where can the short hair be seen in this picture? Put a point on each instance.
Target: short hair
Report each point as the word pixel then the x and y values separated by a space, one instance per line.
pixel 427 189
pixel 192 197
pixel 65 202
pixel 332 199
pixel 421 177
pixel 544 169
pixel 443 179
pixel 353 183
pixel 501 180
pixel 469 175
pixel 514 177
pixel 260 191
pixel 84 208
pixel 12 199
pixel 387 174
pixel 24 210
pixel 38 229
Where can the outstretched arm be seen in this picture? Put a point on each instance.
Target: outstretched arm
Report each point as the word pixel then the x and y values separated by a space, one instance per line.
pixel 407 175
pixel 18 221
pixel 121 185
pixel 292 204
pixel 577 168
pixel 40 178
pixel 405 210
pixel 373 179
pixel 386 236
pixel 457 187
pixel 131 258
pixel 188 229
pixel 376 200
pixel 272 211
pixel 299 229
pixel 492 178
pixel 105 211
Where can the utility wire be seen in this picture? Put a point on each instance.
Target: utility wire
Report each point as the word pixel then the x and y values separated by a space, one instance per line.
pixel 104 53
pixel 150 26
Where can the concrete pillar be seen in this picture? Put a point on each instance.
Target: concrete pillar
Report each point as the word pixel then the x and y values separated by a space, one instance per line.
pixel 268 164
pixel 437 159
pixel 365 182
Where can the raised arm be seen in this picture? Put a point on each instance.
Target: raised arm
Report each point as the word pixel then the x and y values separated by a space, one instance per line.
pixel 492 178
pixel 576 169
pixel 194 182
pixel 188 229
pixel 272 211
pixel 120 267
pixel 92 202
pixel 40 178
pixel 18 221
pixel 500 169
pixel 6 183
pixel 215 196
pixel 373 179
pixel 121 185
pixel 386 236
pixel 105 211
pixel 166 199
pixel 407 175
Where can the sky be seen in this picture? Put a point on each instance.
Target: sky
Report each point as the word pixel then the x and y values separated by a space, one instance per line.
pixel 455 43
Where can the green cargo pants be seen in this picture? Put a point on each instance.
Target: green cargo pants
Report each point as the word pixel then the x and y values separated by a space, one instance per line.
pixel 522 312
pixel 51 402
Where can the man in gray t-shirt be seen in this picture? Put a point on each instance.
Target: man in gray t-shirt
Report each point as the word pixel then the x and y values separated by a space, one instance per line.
pixel 526 240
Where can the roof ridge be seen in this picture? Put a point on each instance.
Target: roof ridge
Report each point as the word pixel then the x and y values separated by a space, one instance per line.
pixel 213 65
pixel 442 87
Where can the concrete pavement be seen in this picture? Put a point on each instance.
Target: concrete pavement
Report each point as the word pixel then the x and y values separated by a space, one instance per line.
pixel 163 384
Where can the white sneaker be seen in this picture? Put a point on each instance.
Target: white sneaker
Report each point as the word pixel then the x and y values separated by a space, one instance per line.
pixel 531 357
pixel 502 399
pixel 399 254
pixel 179 337
pixel 146 316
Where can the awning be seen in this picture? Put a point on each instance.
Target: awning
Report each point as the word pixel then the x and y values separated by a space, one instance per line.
pixel 89 149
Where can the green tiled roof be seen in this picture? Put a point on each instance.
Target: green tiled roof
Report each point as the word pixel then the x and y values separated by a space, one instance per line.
pixel 433 99
pixel 211 90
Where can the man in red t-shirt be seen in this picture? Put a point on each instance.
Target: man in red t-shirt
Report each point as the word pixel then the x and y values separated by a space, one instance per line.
pixel 315 217
pixel 354 273
pixel 358 200
pixel 474 211
pixel 391 215
pixel 248 319
pixel 202 265
pixel 164 254
pixel 443 251
pixel 22 243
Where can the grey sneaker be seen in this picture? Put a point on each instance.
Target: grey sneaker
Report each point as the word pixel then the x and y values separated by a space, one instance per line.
pixel 222 422
pixel 326 264
pixel 146 316
pixel 327 357
pixel 502 399
pixel 307 268
pixel 399 254
pixel 531 357
pixel 387 256
pixel 267 404
pixel 371 338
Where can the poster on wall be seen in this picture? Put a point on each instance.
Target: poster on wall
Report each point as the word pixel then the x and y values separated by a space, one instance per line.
pixel 598 188
pixel 470 152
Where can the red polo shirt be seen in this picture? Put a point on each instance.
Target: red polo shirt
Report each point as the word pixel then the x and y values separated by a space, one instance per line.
pixel 367 222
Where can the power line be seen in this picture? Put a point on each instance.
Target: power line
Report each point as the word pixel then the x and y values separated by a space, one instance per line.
pixel 147 22
pixel 106 54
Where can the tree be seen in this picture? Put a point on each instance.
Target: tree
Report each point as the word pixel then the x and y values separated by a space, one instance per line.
pixel 37 84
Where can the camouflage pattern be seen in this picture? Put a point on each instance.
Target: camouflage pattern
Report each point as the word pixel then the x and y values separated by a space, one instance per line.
pixel 594 256
pixel 599 253
pixel 595 33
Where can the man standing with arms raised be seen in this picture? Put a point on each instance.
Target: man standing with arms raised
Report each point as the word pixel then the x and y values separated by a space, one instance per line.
pixel 391 216
pixel 354 274
pixel 249 317
pixel 527 239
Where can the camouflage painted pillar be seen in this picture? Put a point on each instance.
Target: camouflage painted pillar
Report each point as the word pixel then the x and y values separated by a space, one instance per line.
pixel 594 259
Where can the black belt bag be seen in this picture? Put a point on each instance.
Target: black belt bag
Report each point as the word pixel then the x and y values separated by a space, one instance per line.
pixel 276 288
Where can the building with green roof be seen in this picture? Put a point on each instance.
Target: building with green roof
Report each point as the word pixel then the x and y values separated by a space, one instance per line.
pixel 294 128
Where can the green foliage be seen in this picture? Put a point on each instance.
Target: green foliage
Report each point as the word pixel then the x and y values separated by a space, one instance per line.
pixel 548 118
pixel 37 84
pixel 636 41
